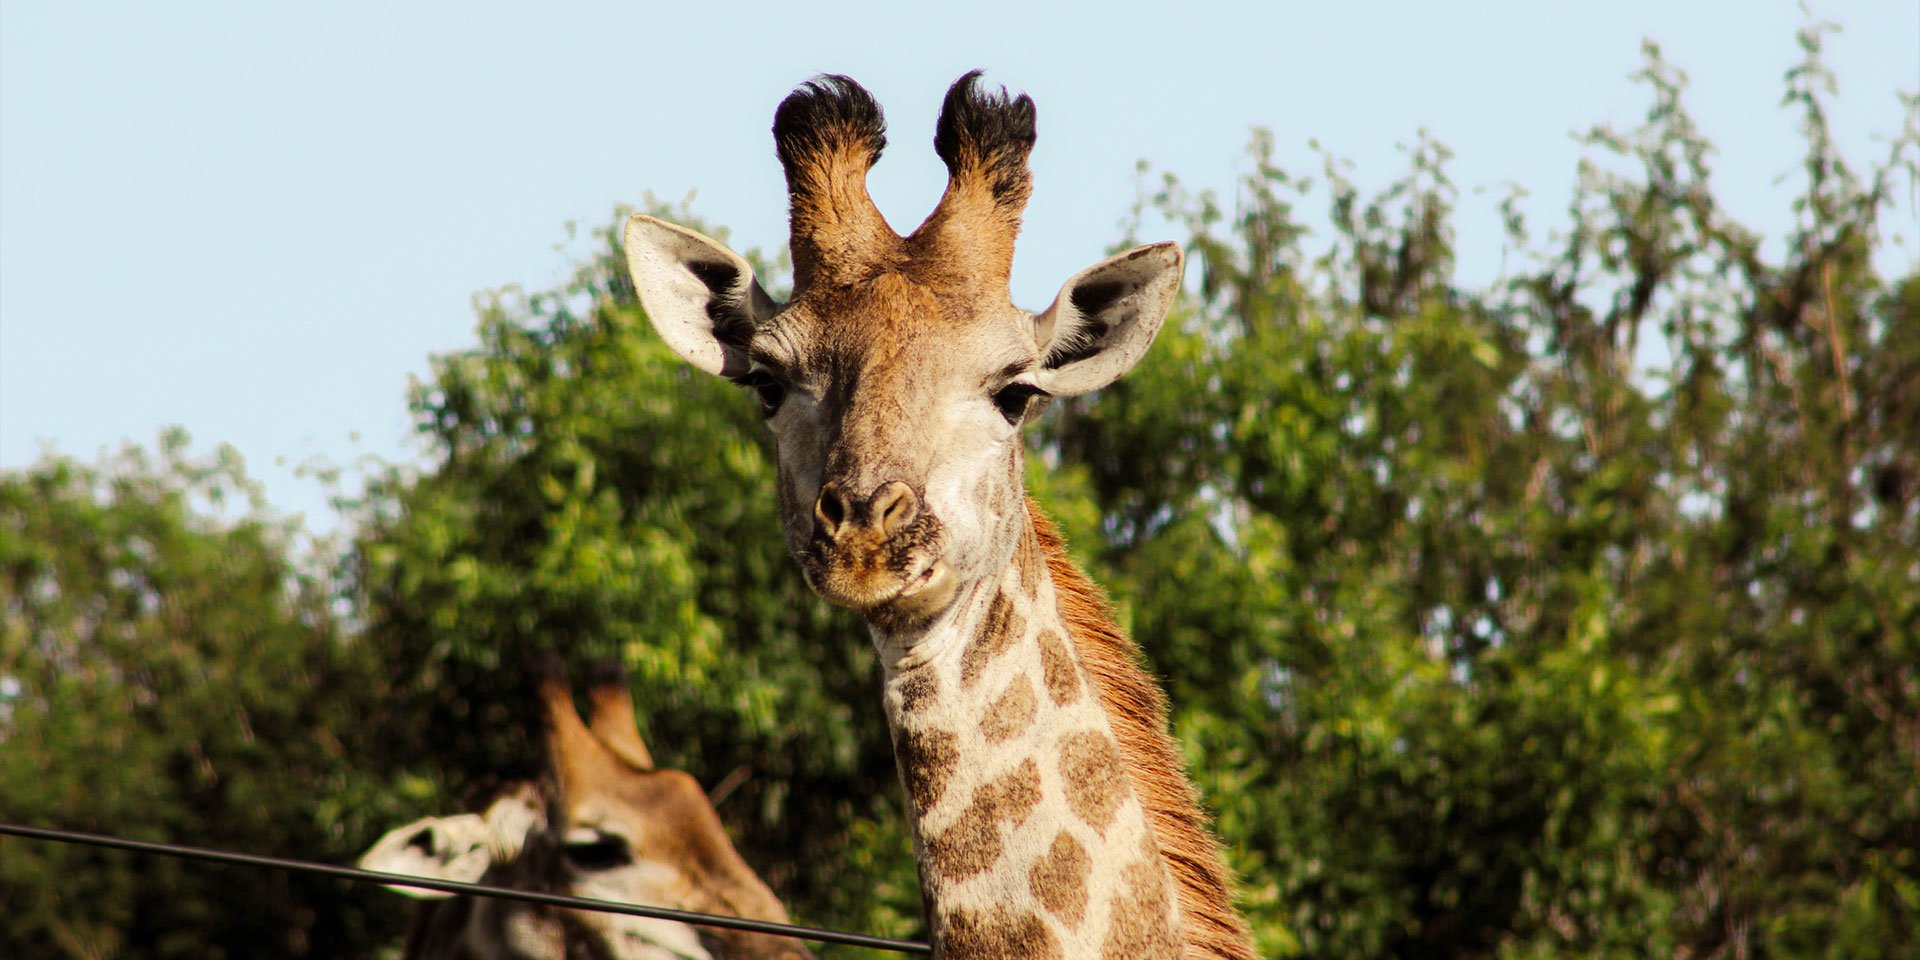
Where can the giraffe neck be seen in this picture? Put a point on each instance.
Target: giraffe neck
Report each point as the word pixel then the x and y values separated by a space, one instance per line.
pixel 1030 837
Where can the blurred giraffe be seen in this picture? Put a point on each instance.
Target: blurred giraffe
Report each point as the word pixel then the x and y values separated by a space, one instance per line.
pixel 606 824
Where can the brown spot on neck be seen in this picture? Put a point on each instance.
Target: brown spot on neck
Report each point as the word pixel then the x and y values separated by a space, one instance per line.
pixel 917 691
pixel 1059 880
pixel 1031 562
pixel 927 759
pixel 973 843
pixel 1096 786
pixel 1011 713
pixel 998 632
pixel 995 934
pixel 1057 668
pixel 1137 926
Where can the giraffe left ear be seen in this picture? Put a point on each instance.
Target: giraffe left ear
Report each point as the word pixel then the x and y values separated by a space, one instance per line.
pixel 1105 318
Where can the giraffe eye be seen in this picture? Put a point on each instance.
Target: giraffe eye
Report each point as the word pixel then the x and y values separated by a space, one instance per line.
pixel 772 394
pixel 1015 399
pixel 599 851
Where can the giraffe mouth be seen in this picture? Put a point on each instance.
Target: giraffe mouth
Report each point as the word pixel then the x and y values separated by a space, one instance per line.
pixel 916 601
pixel 881 580
pixel 865 591
pixel 926 594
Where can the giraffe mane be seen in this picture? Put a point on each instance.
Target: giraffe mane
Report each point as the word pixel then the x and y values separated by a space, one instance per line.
pixel 1137 709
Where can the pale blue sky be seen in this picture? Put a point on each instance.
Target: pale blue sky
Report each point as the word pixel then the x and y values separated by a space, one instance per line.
pixel 257 220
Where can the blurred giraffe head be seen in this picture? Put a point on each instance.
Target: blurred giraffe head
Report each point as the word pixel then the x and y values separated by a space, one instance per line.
pixel 606 824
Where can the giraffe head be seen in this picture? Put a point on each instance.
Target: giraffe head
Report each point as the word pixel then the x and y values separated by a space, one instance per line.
pixel 897 378
pixel 607 825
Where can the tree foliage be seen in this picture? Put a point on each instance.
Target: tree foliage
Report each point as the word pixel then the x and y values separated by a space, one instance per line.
pixel 169 672
pixel 1575 616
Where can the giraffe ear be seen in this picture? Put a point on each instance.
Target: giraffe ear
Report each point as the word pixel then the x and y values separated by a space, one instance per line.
pixel 1105 318
pixel 702 297
pixel 437 848
pixel 459 847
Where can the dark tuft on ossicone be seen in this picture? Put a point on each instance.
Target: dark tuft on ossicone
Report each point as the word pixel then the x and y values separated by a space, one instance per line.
pixel 606 672
pixel 829 112
pixel 988 130
pixel 545 666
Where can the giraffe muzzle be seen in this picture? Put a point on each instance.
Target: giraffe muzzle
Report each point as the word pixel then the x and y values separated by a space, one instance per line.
pixel 877 552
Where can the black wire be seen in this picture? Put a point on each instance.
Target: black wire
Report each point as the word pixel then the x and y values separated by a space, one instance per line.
pixel 815 934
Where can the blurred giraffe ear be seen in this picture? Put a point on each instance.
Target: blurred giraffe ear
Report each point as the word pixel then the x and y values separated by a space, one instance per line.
pixel 702 297
pixel 437 848
pixel 1105 318
pixel 460 847
pixel 612 719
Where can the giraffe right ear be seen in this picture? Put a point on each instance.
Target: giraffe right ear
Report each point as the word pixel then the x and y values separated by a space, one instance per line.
pixel 702 297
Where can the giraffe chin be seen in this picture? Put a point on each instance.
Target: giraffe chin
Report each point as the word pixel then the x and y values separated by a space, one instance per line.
pixel 919 600
pixel 884 598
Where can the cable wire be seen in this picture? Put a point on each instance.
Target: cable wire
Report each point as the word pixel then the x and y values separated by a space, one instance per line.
pixel 794 931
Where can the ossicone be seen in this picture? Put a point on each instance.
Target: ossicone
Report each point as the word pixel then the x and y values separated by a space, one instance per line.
pixel 828 114
pixel 828 133
pixel 987 134
pixel 985 137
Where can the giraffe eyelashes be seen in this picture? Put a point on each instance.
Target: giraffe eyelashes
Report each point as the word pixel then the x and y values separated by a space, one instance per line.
pixel 1016 399
pixel 772 394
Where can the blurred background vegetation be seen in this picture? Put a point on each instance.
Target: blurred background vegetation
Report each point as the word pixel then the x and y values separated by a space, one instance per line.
pixel 1574 615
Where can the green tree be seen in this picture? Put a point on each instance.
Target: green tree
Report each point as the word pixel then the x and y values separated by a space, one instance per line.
pixel 1577 615
pixel 169 671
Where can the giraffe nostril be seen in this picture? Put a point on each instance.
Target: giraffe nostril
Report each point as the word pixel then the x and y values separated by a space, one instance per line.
pixel 830 510
pixel 894 506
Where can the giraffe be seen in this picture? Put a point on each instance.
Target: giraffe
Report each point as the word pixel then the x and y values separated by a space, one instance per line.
pixel 1052 816
pixel 606 824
